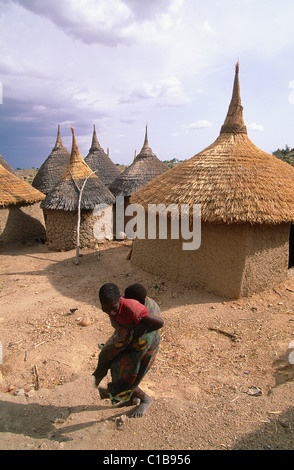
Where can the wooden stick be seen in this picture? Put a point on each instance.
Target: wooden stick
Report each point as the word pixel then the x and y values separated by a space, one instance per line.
pixel 79 212
pixel 36 375
pixel 233 337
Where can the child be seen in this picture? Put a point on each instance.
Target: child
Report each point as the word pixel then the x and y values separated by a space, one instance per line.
pixel 132 349
pixel 138 292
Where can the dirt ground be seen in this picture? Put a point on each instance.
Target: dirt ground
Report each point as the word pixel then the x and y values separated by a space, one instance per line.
pixel 222 379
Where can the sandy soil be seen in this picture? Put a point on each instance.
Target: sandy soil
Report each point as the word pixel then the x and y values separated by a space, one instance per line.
pixel 211 390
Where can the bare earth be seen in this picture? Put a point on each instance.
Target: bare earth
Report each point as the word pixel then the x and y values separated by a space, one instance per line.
pixel 211 390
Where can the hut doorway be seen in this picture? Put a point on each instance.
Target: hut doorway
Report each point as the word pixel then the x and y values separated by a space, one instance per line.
pixel 291 247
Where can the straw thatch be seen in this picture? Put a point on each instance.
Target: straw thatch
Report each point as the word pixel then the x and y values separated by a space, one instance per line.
pixel 6 165
pixel 232 179
pixel 51 171
pixel 145 167
pixel 14 190
pixel 100 162
pixel 65 195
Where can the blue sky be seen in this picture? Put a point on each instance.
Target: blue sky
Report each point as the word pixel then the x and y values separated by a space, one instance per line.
pixel 120 64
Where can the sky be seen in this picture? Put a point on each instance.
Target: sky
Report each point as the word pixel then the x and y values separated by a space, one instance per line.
pixel 122 64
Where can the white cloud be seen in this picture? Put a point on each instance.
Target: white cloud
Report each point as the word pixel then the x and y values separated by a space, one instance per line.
pixel 108 22
pixel 187 128
pixel 39 108
pixel 166 92
pixel 198 125
pixel 207 29
pixel 255 127
pixel 87 20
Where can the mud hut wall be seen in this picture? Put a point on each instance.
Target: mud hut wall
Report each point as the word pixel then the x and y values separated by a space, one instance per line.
pixel 232 261
pixel 217 266
pixel 61 228
pixel 21 223
pixel 267 257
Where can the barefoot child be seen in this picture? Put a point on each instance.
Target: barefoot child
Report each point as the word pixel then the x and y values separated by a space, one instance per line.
pixel 132 349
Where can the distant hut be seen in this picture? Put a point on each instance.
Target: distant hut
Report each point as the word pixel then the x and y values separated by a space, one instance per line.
pixel 7 166
pixel 51 171
pixel 101 163
pixel 61 206
pixel 21 218
pixel 144 168
pixel 247 206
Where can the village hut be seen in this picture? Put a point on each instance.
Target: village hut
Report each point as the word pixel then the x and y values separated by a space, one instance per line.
pixel 7 166
pixel 21 218
pixel 144 168
pixel 100 162
pixel 51 171
pixel 62 203
pixel 247 206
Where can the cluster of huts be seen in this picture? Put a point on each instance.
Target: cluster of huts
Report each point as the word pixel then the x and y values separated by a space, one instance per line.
pixel 246 197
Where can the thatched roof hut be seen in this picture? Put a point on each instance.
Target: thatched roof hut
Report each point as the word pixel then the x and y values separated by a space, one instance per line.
pixel 6 165
pixel 100 162
pixel 247 206
pixel 61 204
pixel 14 190
pixel 51 171
pixel 20 215
pixel 232 179
pixel 145 167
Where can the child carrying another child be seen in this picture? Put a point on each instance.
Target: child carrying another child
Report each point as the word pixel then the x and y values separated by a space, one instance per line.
pixel 132 349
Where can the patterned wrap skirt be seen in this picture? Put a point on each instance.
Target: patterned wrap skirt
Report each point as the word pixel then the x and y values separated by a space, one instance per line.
pixel 129 365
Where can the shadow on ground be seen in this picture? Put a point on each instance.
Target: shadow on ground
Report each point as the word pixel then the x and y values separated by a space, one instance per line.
pixel 277 434
pixel 41 421
pixel 81 282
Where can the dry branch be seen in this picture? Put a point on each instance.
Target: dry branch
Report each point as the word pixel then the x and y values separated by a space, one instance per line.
pixel 36 375
pixel 232 336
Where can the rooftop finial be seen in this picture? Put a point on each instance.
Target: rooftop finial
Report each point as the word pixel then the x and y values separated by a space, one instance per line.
pixel 95 143
pixel 77 168
pixel 234 122
pixel 146 150
pixel 146 136
pixel 58 143
pixel 75 153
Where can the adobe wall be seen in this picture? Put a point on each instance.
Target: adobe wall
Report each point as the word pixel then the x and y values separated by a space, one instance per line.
pixel 61 229
pixel 21 224
pixel 267 259
pixel 232 261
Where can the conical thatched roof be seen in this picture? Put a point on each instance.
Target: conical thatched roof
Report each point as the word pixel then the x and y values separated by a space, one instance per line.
pixel 51 171
pixel 14 190
pixel 232 179
pixel 65 195
pixel 97 159
pixel 6 165
pixel 145 167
